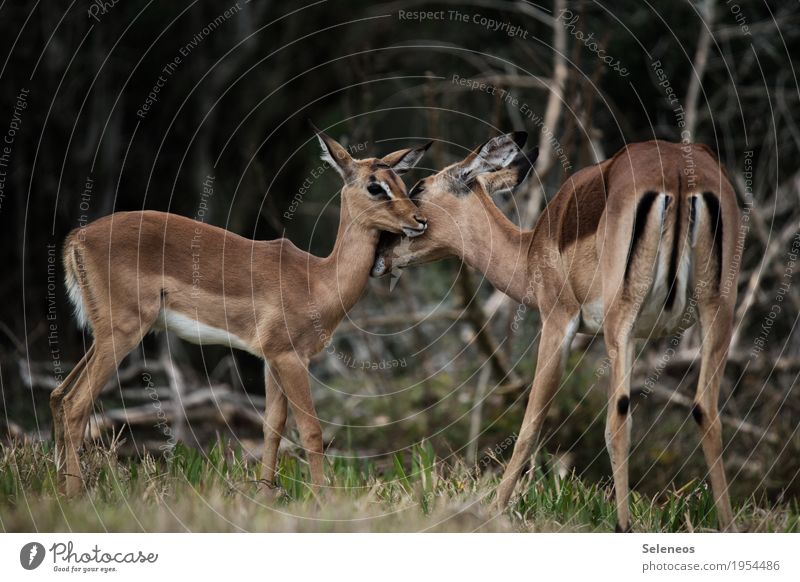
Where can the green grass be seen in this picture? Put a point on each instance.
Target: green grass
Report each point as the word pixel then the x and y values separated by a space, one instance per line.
pixel 218 490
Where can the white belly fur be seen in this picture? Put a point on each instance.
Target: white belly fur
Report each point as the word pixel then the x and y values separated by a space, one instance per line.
pixel 198 333
pixel 647 325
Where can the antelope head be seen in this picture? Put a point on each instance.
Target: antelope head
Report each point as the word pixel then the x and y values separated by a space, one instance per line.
pixel 453 198
pixel 373 194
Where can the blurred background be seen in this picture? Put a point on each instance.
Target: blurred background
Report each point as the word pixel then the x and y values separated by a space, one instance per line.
pixel 110 106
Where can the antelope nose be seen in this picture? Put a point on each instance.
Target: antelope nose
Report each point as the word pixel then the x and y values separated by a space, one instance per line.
pixel 422 220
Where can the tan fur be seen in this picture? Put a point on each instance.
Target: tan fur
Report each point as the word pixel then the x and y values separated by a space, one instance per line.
pixel 572 267
pixel 134 269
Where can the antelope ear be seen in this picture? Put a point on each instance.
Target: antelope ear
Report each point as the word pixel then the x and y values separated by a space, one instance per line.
pixel 403 160
pixel 495 154
pixel 334 153
pixel 512 175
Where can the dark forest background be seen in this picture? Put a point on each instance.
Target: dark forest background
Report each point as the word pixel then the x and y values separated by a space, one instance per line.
pixel 236 107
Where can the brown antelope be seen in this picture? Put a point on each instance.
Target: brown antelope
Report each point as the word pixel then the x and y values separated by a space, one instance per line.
pixel 135 272
pixel 620 250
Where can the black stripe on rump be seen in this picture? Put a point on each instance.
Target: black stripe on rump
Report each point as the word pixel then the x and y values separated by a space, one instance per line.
pixel 715 214
pixel 673 260
pixel 639 223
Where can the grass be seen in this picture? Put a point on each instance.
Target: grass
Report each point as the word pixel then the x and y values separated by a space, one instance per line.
pixel 218 490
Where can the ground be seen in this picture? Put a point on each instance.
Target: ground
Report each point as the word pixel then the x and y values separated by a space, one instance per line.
pixel 218 490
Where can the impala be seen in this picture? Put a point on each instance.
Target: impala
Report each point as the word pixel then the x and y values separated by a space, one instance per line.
pixel 135 272
pixel 622 250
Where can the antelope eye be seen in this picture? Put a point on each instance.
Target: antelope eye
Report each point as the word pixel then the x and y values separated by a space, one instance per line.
pixel 418 189
pixel 376 190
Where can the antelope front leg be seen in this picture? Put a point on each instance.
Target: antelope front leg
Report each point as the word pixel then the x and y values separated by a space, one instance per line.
pixel 555 339
pixel 274 422
pixel 293 373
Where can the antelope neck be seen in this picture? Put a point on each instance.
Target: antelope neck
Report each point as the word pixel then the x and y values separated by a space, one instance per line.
pixel 345 272
pixel 499 249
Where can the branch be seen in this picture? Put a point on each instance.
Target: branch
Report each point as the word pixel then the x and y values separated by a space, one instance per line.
pixel 699 65
pixel 754 282
pixel 484 339
pixel 673 397
pixel 555 104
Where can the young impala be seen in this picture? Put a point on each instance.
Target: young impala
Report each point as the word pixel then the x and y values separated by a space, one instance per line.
pixel 619 250
pixel 134 272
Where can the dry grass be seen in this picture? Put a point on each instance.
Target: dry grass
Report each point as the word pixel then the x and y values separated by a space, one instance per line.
pixel 218 491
